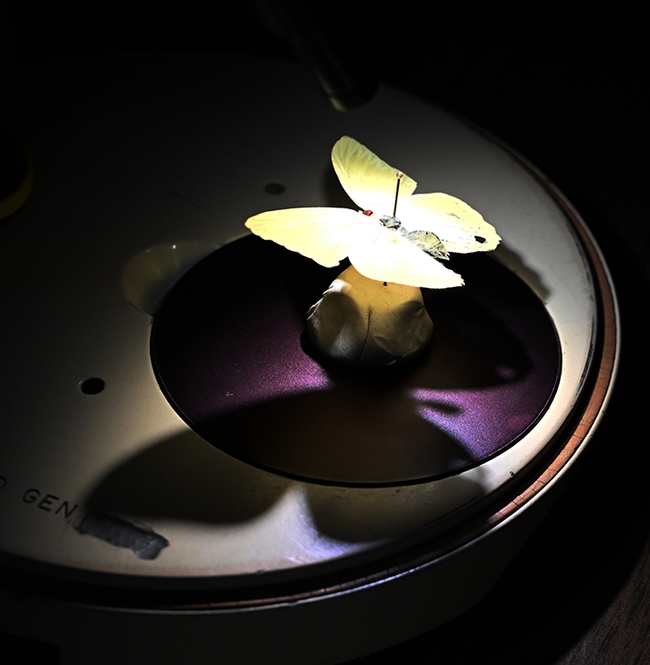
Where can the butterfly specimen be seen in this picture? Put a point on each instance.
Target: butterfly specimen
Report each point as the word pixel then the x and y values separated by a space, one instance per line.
pixel 396 236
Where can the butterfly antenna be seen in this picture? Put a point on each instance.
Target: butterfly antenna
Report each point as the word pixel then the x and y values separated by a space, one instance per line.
pixel 399 175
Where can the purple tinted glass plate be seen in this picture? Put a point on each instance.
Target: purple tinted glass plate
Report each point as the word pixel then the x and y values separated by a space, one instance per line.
pixel 231 354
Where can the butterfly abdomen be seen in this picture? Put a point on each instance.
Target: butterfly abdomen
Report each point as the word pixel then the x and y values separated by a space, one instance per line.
pixel 427 241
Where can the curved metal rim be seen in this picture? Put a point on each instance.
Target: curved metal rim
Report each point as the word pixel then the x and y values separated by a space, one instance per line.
pixel 554 462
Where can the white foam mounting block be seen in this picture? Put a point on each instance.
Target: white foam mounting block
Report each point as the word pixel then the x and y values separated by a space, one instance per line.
pixel 132 537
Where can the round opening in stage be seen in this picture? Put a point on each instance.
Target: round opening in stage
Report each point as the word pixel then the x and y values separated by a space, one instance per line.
pixel 231 354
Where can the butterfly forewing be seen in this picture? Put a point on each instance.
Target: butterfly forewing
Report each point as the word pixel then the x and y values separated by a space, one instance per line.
pixel 368 180
pixel 322 234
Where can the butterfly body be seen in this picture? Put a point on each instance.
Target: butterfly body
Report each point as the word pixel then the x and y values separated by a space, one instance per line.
pixel 378 243
pixel 427 241
pixel 390 222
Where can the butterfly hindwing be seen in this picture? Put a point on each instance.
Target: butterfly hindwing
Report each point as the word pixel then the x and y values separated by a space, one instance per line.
pixel 460 228
pixel 390 257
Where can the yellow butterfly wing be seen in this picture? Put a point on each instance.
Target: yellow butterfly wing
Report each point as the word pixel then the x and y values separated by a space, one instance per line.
pixel 389 257
pixel 322 234
pixel 461 228
pixel 368 180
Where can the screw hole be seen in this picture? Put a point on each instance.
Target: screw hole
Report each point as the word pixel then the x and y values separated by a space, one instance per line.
pixel 92 386
pixel 274 188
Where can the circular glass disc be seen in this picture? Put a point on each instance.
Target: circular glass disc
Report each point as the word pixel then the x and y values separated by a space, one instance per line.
pixel 231 354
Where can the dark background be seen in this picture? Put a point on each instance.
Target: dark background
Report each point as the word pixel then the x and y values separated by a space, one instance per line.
pixel 569 92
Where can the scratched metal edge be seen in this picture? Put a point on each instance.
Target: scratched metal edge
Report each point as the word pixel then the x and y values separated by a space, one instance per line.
pixel 597 391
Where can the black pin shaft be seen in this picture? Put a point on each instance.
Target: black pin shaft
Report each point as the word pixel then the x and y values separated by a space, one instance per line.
pixel 399 179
